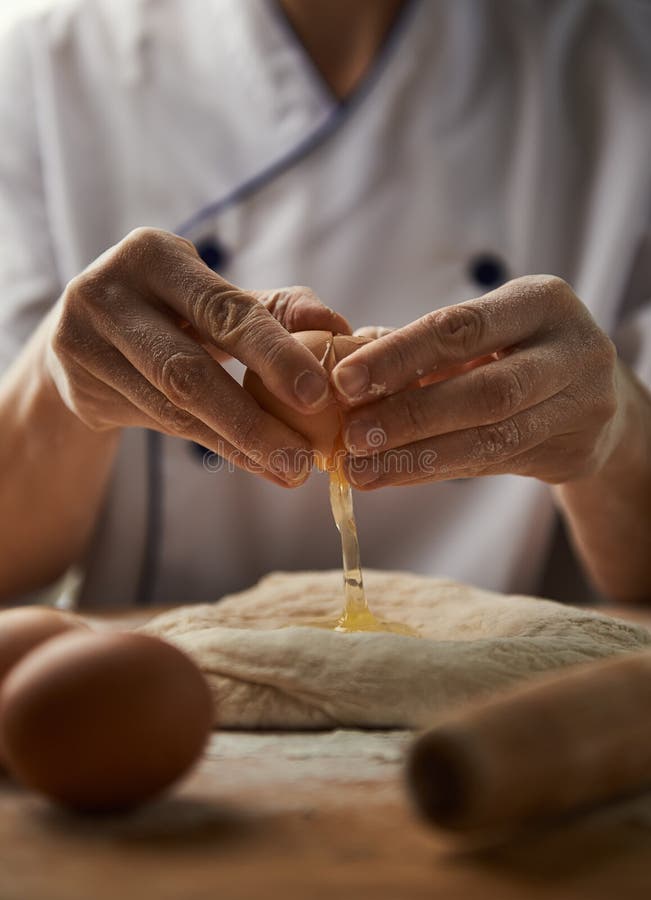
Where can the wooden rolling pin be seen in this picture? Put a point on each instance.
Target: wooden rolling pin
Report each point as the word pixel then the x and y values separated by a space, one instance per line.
pixel 570 741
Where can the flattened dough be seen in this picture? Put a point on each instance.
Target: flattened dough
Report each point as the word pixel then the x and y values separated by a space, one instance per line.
pixel 473 643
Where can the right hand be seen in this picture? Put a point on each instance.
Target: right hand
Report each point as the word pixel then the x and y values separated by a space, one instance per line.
pixel 137 340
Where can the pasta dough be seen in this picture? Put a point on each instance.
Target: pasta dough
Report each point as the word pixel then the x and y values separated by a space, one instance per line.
pixel 473 642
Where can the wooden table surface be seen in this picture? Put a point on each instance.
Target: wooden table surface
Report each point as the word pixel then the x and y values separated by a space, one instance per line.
pixel 309 816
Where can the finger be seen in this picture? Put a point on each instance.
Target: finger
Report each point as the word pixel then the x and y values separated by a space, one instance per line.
pixel 101 407
pixel 261 441
pixel 552 469
pixel 96 404
pixel 190 380
pixel 444 374
pixel 298 308
pixel 479 396
pixel 168 269
pixel 104 407
pixel 464 454
pixel 220 356
pixel 451 336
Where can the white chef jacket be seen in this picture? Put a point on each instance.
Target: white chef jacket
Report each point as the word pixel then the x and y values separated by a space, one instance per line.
pixel 491 139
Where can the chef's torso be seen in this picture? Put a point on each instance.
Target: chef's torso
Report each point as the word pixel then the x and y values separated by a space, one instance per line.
pixel 489 141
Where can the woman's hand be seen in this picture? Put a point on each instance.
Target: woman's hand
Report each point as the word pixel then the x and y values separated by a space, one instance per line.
pixel 137 340
pixel 520 380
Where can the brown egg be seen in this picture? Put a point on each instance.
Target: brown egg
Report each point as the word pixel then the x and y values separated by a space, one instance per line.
pixel 24 628
pixel 103 722
pixel 323 428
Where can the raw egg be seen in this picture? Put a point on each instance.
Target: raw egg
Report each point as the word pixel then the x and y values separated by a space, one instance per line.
pixel 323 428
pixel 103 722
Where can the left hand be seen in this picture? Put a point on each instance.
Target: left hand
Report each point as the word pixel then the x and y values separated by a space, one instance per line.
pixel 520 380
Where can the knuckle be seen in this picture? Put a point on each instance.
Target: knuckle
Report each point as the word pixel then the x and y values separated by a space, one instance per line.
pixel 398 354
pixel 415 416
pixel 458 329
pixel 86 289
pixel 498 440
pixel 182 377
pixel 68 339
pixel 140 249
pixel 225 314
pixel 549 291
pixel 500 393
pixel 552 283
pixel 281 306
pixel 175 421
pixel 145 238
pixel 289 304
pixel 556 291
pixel 301 293
pixel 74 291
pixel 606 350
pixel 96 289
pixel 64 334
pixel 299 300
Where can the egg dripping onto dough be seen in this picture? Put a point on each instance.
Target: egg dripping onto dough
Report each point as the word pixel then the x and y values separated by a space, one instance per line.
pixel 323 430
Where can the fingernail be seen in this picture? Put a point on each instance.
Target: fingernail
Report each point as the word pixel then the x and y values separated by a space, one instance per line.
pixel 351 380
pixel 311 389
pixel 360 436
pixel 291 464
pixel 363 472
pixel 355 436
pixel 296 479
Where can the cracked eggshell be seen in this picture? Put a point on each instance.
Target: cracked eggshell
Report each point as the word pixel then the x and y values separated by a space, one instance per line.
pixel 321 429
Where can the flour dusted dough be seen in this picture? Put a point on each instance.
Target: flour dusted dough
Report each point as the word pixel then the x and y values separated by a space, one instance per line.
pixel 473 642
